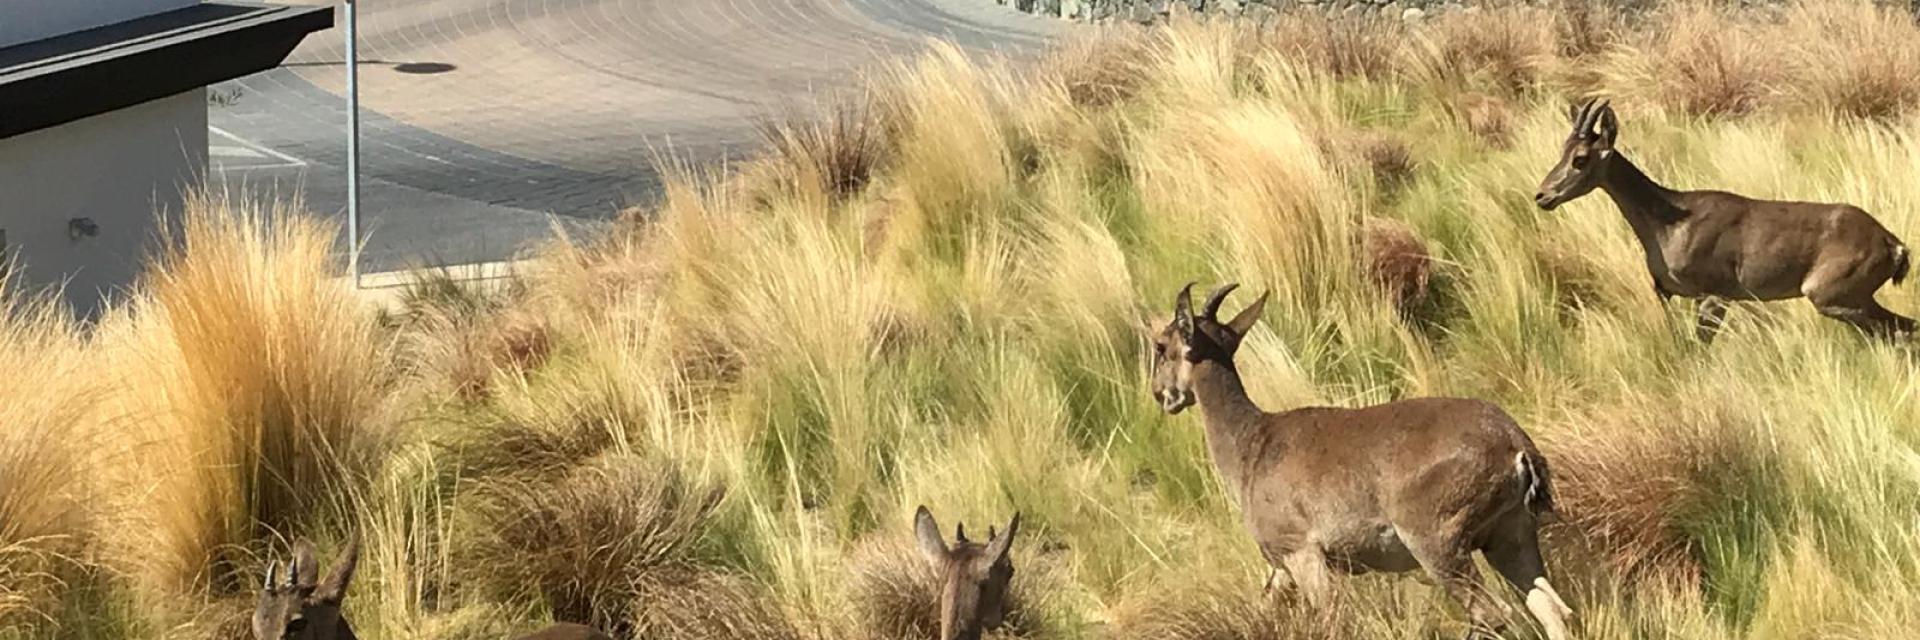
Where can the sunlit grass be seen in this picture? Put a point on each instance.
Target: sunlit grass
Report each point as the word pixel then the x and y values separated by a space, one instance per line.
pixel 730 406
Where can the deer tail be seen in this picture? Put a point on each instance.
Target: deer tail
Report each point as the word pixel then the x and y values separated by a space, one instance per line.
pixel 1530 469
pixel 1902 259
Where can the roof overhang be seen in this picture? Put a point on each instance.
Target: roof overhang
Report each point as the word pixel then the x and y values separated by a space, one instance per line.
pixel 49 82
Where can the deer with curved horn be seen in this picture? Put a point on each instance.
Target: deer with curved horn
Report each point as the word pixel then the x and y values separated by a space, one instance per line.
pixel 1716 247
pixel 1412 484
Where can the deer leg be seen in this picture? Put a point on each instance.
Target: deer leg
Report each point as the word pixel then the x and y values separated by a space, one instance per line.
pixel 1516 555
pixel 1713 315
pixel 1851 301
pixel 1452 567
pixel 1308 568
pixel 1870 318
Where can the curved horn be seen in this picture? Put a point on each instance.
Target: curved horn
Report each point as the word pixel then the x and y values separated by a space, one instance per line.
pixel 273 567
pixel 1212 310
pixel 1183 302
pixel 1589 114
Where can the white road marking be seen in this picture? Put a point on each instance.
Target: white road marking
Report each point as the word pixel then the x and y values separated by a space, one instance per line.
pixel 258 151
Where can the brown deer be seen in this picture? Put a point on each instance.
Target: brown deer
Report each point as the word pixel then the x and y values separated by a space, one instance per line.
pixel 1412 484
pixel 973 576
pixel 302 607
pixel 1716 246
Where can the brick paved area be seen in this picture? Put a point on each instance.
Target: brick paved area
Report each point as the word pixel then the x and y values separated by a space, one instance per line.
pixel 530 107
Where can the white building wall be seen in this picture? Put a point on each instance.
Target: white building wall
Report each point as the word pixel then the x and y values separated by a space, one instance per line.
pixel 27 20
pixel 119 169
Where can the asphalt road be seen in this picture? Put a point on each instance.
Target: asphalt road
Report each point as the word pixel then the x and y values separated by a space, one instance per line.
pixel 486 121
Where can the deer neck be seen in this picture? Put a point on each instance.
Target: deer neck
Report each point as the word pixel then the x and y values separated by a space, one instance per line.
pixel 1230 416
pixel 1648 207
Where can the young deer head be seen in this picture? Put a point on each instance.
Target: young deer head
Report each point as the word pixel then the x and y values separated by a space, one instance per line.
pixel 973 576
pixel 1584 158
pixel 1192 339
pixel 299 606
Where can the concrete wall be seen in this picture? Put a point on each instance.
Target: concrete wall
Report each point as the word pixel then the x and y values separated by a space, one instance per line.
pixel 117 169
pixel 26 20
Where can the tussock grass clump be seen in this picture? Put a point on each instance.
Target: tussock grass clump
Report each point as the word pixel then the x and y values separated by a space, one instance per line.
pixel 1396 261
pixel 1488 117
pixel 1102 68
pixel 1342 46
pixel 710 606
pixel 48 519
pixel 590 545
pixel 1231 606
pixel 1702 61
pixel 1505 48
pixel 1857 59
pixel 834 155
pixel 244 389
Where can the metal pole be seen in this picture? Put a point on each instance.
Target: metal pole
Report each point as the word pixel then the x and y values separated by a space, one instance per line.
pixel 353 145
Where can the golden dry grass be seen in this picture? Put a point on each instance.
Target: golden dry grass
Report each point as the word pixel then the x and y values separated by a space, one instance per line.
pixel 714 421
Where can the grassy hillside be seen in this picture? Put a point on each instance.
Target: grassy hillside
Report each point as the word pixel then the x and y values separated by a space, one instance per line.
pixel 716 422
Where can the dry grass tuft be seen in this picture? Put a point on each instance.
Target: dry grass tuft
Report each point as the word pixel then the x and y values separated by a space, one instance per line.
pixel 834 155
pixel 1385 157
pixel 246 379
pixel 1342 46
pixel 1396 261
pixel 895 591
pixel 1487 117
pixel 1102 68
pixel 1587 27
pixel 590 544
pixel 1505 48
pixel 1629 487
pixel 1857 59
pixel 709 606
pixel 46 523
pixel 1226 608
pixel 1702 61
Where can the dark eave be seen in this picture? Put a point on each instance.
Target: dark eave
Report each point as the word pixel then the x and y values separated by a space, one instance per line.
pixel 68 77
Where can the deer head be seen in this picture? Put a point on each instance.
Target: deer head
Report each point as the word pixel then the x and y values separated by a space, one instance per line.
pixel 973 576
pixel 298 606
pixel 1583 159
pixel 1191 339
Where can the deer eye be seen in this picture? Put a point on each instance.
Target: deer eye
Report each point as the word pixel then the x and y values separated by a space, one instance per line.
pixel 295 626
pixel 1580 161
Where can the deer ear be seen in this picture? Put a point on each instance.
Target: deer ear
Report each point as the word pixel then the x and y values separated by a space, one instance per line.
pixel 1243 322
pixel 302 573
pixel 998 547
pixel 927 533
pixel 334 589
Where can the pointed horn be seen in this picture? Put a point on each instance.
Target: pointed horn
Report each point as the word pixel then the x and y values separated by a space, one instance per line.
pixel 1589 114
pixel 1212 310
pixel 959 532
pixel 273 567
pixel 1183 304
